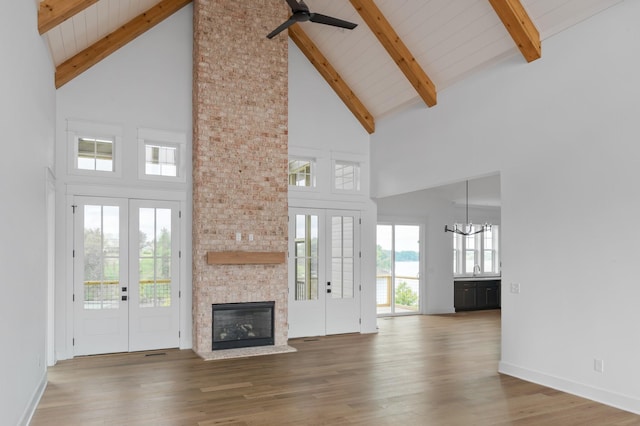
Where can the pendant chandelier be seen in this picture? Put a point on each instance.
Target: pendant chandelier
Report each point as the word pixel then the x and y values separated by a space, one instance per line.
pixel 467 228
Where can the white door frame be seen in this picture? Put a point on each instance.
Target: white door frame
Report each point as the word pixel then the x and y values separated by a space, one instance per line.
pixel 64 287
pixel 309 317
pixel 113 323
pixel 152 327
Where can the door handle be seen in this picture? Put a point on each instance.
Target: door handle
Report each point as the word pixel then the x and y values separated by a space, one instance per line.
pixel 124 289
pixel 124 298
pixel 328 283
pixel 328 290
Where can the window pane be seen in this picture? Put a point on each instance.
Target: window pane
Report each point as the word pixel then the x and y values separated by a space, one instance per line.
pixel 488 261
pixel 301 173
pixel 470 261
pixel 384 236
pixel 342 241
pixel 306 253
pixel 101 257
pixel 161 160
pixel 346 176
pixel 406 268
pixel 154 259
pixel 455 261
pixel 336 278
pixel 95 154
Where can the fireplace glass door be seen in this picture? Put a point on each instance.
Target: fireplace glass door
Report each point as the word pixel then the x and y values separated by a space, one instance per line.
pixel 242 325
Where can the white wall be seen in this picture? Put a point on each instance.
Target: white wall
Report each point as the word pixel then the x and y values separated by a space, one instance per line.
pixel 563 133
pixel 146 84
pixel 27 122
pixel 321 126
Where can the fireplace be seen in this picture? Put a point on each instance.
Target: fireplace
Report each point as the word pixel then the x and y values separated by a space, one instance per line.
pixel 242 325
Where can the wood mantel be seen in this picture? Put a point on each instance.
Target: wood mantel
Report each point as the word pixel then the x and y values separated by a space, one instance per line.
pixel 244 258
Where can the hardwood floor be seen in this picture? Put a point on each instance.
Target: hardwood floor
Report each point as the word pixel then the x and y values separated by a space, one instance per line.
pixel 418 370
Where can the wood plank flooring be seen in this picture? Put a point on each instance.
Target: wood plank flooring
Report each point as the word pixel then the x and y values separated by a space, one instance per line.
pixel 418 370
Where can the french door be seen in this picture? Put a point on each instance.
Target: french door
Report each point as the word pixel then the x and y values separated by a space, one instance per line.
pixel 324 272
pixel 126 272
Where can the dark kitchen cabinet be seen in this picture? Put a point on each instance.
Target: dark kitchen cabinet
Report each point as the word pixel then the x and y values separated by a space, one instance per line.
pixel 464 295
pixel 475 295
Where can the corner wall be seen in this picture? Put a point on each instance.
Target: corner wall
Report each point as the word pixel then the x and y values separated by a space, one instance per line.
pixel 563 133
pixel 27 119
pixel 239 157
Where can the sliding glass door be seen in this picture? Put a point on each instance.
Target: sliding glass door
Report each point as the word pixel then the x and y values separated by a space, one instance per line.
pixel 398 269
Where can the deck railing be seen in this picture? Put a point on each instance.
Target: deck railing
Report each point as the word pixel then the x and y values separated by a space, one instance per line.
pixel 106 294
pixel 384 289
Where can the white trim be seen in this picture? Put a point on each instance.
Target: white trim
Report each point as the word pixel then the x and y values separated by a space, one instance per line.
pixel 165 138
pixel 120 192
pixel 186 285
pixel 31 407
pixel 50 226
pixel 68 282
pixel 348 156
pixel 162 135
pixel 102 129
pixel 617 400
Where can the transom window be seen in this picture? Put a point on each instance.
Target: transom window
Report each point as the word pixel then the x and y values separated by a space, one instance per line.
pixel 346 176
pixel 160 160
pixel 95 154
pixel 476 254
pixel 95 149
pixel 161 155
pixel 302 172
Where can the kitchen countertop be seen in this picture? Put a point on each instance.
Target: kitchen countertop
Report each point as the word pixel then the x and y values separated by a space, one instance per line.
pixel 482 278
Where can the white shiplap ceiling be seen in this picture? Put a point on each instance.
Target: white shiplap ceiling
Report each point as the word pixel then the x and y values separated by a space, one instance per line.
pixel 97 21
pixel 450 39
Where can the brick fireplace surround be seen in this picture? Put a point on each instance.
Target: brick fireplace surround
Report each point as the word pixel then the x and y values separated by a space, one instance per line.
pixel 240 116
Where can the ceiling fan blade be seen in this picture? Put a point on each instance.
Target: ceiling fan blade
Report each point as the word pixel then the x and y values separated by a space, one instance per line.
pixel 328 20
pixel 281 28
pixel 302 6
pixel 293 4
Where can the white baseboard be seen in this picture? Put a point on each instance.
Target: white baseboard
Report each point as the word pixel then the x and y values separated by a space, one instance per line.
pixel 623 402
pixel 30 410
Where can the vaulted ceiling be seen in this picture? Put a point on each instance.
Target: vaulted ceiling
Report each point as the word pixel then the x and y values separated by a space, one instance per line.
pixel 402 52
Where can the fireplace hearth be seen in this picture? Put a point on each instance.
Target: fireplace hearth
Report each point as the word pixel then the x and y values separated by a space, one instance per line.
pixel 242 325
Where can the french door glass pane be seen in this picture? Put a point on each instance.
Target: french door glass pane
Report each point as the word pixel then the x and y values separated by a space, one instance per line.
pixel 154 259
pixel 101 257
pixel 342 241
pixel 306 253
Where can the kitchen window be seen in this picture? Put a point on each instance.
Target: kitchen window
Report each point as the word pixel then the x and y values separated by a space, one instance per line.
pixel 477 254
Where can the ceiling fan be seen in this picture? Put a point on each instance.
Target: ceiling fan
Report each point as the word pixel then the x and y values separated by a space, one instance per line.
pixel 301 14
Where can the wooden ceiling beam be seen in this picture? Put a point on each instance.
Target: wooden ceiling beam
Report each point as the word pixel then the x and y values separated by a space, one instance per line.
pixel 397 49
pixel 326 70
pixel 93 54
pixel 522 29
pixel 54 12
